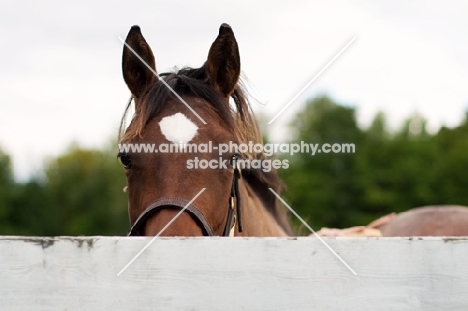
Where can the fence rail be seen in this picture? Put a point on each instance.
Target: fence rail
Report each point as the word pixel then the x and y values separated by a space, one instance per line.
pixel 80 273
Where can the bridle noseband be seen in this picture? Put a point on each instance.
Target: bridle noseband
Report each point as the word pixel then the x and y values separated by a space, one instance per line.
pixel 197 215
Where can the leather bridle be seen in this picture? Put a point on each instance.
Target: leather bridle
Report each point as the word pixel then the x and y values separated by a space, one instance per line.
pixel 138 226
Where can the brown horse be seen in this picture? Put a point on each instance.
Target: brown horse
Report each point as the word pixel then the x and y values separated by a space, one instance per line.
pixel 196 106
pixel 428 221
pixel 444 220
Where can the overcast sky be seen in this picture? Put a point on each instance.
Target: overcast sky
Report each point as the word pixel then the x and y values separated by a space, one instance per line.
pixel 61 75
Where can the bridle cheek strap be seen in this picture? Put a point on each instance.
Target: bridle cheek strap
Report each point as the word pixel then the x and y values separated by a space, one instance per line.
pixel 234 199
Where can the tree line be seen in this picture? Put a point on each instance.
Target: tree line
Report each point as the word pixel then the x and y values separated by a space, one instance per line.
pixel 80 191
pixel 390 171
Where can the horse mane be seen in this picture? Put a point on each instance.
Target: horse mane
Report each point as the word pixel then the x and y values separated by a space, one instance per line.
pixel 260 182
pixel 238 118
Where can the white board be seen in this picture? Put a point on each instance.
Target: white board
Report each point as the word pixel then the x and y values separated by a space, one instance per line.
pixel 80 273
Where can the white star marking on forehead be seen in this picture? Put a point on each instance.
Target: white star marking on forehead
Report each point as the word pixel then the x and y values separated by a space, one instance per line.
pixel 178 128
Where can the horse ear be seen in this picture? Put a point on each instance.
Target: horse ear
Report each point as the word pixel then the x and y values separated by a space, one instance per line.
pixel 223 62
pixel 135 73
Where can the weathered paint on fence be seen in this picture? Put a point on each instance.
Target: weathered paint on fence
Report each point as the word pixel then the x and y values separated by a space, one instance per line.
pixel 80 273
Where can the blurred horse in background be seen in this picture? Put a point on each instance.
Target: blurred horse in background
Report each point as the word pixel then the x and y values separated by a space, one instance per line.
pixel 444 220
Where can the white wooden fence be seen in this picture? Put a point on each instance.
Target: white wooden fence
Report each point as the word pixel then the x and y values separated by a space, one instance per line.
pixel 80 273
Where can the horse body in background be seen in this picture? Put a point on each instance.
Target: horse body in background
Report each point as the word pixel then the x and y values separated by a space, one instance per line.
pixel 448 220
pixel 160 185
pixel 444 220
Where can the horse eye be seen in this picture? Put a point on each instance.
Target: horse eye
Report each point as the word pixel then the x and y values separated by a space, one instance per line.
pixel 125 160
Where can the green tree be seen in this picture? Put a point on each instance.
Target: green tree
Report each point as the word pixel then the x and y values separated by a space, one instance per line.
pixel 80 194
pixel 394 173
pixel 389 172
pixel 449 182
pixel 322 187
pixel 6 187
pixel 85 187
